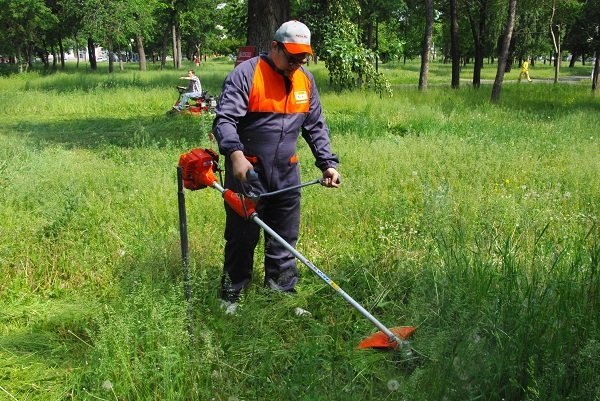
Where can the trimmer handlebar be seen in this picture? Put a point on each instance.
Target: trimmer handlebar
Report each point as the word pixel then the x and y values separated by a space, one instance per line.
pixel 252 177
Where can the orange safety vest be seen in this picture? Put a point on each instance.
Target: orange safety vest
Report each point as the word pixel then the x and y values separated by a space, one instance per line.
pixel 268 92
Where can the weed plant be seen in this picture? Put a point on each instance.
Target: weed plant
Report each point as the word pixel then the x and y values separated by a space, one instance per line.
pixel 476 223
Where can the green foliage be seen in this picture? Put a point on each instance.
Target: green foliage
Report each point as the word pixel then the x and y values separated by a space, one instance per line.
pixel 24 24
pixel 349 63
pixel 235 20
pixel 390 47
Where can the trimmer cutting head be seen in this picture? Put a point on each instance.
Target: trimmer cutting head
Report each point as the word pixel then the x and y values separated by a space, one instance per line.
pixel 380 340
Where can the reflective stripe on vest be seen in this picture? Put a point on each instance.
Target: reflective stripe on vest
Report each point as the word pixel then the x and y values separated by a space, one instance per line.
pixel 268 94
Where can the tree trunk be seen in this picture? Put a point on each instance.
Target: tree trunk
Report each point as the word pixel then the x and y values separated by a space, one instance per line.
pixel 454 45
pixel 557 57
pixel 92 54
pixel 573 59
pixel 595 72
pixel 54 57
pixel 510 58
pixel 264 17
pixel 174 43
pixel 19 58
pixel 478 30
pixel 62 53
pixel 77 50
pixel 370 34
pixel 377 45
pixel 121 61
pixel 503 56
pixel 426 46
pixel 111 64
pixel 163 49
pixel 139 41
pixel 555 42
pixel 178 41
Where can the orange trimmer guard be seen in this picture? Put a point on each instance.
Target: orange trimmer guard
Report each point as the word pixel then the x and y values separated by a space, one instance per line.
pixel 380 340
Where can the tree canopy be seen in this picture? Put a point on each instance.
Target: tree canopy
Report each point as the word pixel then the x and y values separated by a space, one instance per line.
pixel 351 36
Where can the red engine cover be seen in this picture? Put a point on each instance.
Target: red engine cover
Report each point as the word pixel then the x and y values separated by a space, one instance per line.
pixel 198 168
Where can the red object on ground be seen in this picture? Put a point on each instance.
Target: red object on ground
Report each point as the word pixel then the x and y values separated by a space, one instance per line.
pixel 381 340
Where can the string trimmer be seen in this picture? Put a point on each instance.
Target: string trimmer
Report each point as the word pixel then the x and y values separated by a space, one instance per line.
pixel 196 170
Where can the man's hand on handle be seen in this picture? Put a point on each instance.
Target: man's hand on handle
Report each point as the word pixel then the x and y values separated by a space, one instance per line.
pixel 331 178
pixel 240 165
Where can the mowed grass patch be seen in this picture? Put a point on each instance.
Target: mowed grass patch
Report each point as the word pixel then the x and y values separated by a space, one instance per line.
pixel 477 223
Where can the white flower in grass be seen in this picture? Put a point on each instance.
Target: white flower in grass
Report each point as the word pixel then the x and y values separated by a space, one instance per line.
pixel 459 367
pixel 107 385
pixel 393 385
pixel 567 194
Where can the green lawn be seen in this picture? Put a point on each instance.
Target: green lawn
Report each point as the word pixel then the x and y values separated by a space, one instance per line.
pixel 476 223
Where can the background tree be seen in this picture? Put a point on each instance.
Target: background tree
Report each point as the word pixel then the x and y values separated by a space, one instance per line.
pixel 349 62
pixel 454 44
pixel 503 55
pixel 142 25
pixel 410 21
pixel 232 27
pixel 264 17
pixel 24 26
pixel 373 14
pixel 426 44
pixel 479 13
pixel 563 13
pixel 577 37
pixel 99 19
pixel 591 11
pixel 198 26
pixel 391 45
pixel 530 36
pixel 70 20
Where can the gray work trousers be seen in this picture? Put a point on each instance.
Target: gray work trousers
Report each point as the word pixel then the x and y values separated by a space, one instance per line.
pixel 282 214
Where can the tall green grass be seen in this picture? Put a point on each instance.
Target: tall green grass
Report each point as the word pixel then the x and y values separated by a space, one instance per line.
pixel 477 223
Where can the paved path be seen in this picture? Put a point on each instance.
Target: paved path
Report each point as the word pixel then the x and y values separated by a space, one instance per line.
pixel 569 80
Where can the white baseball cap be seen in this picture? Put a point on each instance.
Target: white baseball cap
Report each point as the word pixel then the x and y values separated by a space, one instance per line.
pixel 295 36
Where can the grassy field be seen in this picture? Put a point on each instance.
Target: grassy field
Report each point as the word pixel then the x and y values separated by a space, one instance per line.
pixel 476 223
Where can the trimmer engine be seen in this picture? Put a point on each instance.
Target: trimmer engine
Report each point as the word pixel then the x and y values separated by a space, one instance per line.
pixel 198 167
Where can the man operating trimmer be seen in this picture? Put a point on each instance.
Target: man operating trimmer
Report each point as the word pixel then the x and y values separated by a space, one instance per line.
pixel 264 105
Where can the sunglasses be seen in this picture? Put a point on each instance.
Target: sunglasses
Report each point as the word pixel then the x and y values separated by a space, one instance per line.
pixel 290 59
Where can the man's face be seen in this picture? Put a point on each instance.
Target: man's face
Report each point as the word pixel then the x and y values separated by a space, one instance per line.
pixel 286 62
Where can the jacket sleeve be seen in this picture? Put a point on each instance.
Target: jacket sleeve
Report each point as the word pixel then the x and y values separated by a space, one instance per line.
pixel 232 106
pixel 316 132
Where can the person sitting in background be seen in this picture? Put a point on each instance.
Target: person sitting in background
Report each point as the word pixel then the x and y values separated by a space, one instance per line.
pixel 194 89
